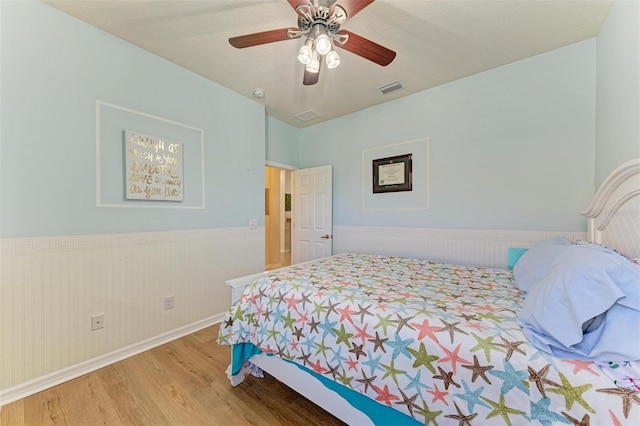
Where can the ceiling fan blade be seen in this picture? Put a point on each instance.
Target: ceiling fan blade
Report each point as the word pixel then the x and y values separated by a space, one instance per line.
pixel 367 49
pixel 264 37
pixel 352 7
pixel 310 78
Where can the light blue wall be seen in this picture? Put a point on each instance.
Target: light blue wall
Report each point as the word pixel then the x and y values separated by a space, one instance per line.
pixel 513 147
pixel 510 148
pixel 283 142
pixel 618 89
pixel 54 69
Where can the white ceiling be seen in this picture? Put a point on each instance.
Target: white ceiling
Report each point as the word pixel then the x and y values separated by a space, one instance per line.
pixel 436 42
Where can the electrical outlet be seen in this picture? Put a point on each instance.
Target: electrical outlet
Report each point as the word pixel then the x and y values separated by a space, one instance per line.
pixel 168 302
pixel 97 322
pixel 253 224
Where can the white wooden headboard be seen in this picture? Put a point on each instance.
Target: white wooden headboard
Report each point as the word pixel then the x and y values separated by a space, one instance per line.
pixel 614 213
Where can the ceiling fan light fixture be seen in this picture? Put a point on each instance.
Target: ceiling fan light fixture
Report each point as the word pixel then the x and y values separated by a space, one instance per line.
pixel 314 65
pixel 323 44
pixel 332 59
pixel 305 55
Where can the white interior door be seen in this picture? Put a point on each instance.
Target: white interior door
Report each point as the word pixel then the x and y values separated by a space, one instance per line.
pixel 313 220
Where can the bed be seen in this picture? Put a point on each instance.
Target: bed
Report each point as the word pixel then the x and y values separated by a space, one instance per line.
pixel 391 340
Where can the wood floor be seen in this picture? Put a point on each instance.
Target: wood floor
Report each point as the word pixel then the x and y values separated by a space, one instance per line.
pixel 180 383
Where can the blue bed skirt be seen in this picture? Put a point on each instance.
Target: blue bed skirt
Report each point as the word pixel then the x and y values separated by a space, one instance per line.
pixel 378 413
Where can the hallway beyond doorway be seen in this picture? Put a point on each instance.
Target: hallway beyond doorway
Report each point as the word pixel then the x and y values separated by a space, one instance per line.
pixel 285 260
pixel 278 203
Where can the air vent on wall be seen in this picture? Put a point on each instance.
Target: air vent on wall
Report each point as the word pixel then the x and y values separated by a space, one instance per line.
pixel 307 115
pixel 391 87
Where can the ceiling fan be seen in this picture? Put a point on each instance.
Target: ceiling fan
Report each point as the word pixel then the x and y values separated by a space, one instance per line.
pixel 319 22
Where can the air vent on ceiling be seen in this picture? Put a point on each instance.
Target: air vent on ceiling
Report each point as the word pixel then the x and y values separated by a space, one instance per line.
pixel 391 87
pixel 307 115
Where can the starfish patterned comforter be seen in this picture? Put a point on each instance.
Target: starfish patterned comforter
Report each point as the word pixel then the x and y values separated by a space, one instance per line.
pixel 438 342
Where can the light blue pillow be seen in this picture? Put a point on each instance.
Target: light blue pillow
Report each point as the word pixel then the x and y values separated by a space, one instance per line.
pixel 585 283
pixel 534 264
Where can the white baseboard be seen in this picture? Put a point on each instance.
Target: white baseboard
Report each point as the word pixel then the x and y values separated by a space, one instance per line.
pixel 39 384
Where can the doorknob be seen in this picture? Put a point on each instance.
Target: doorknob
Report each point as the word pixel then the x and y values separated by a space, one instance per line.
pixel 326 237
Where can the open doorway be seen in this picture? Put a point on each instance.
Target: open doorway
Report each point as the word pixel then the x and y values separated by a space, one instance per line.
pixel 277 220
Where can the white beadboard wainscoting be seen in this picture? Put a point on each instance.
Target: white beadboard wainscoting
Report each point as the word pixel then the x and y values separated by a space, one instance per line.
pixel 486 248
pixel 50 287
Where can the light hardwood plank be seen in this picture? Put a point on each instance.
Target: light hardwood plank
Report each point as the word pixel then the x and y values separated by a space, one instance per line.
pixel 180 383
pixel 12 414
